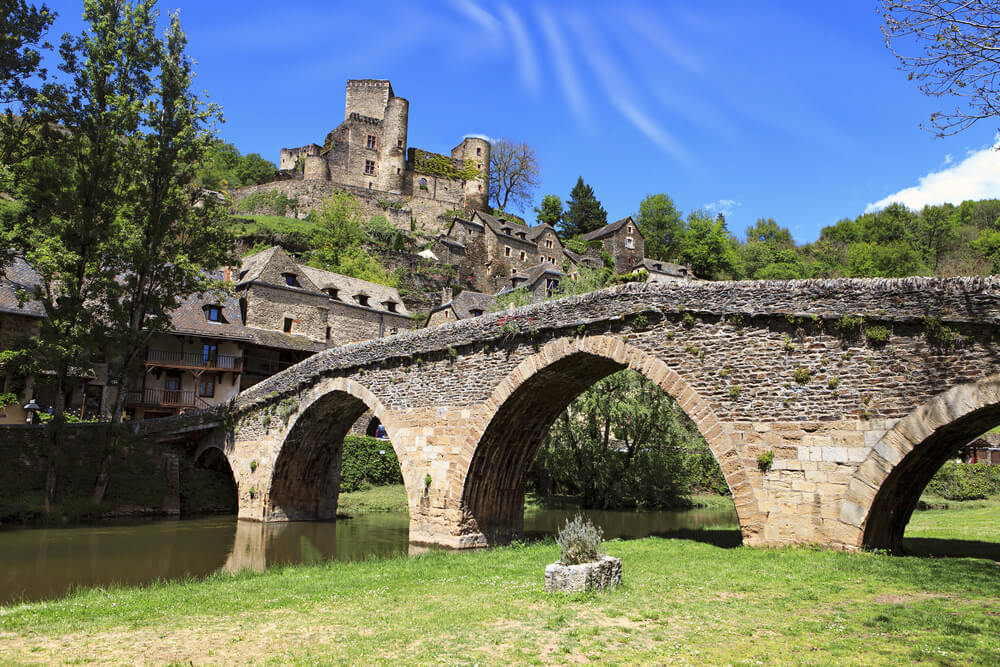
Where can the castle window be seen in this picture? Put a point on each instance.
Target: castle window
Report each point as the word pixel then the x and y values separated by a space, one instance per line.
pixel 370 167
pixel 506 251
pixel 629 242
pixel 479 151
pixel 523 256
pixel 328 333
pixel 371 141
pixel 399 170
pixel 480 188
pixel 291 279
pixel 399 143
pixel 552 260
pixel 288 325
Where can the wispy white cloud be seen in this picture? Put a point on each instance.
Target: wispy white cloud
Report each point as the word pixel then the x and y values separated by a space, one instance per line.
pixel 527 60
pixel 723 206
pixel 475 135
pixel 977 176
pixel 477 14
pixel 564 66
pixel 615 84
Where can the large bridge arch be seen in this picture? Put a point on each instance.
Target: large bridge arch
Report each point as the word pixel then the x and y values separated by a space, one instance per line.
pixel 305 475
pixel 886 487
pixel 527 402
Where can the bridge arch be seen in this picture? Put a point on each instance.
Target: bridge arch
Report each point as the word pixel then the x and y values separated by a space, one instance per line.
pixel 305 480
pixel 526 403
pixel 884 491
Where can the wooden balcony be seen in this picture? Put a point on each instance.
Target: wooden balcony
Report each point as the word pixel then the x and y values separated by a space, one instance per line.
pixel 161 398
pixel 195 361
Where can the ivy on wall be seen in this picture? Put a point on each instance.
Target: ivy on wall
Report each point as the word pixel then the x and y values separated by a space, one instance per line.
pixel 425 162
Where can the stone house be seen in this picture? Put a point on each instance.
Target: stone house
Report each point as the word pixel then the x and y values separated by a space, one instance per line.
pixel 623 241
pixel 467 304
pixel 540 281
pixel 664 272
pixel 490 250
pixel 278 314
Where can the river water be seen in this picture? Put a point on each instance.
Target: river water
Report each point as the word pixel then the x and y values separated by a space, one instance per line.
pixel 45 563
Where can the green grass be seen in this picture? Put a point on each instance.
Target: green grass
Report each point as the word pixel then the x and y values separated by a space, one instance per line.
pixel 390 498
pixel 681 601
pixel 255 225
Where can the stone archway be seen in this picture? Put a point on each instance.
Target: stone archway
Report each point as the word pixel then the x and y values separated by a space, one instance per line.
pixel 305 481
pixel 527 402
pixel 884 491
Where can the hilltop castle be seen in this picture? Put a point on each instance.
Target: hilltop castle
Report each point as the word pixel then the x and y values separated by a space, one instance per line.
pixel 368 155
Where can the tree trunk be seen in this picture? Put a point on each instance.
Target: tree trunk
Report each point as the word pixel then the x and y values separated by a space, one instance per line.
pixel 50 487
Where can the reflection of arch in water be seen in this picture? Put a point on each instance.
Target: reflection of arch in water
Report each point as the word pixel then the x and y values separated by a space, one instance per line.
pixel 535 394
pixel 306 478
pixel 884 491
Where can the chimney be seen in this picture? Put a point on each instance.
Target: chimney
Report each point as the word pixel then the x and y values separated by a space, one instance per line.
pixel 227 274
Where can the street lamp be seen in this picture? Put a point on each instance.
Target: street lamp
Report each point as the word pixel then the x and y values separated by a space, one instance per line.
pixel 31 408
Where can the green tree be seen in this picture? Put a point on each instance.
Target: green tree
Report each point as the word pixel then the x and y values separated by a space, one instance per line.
pixel 339 242
pixel 662 227
pixel 584 212
pixel 550 212
pixel 710 249
pixel 222 167
pixel 621 443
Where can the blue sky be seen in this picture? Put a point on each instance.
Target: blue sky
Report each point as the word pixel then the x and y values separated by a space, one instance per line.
pixel 794 111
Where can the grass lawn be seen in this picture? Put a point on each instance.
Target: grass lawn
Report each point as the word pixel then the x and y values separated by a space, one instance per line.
pixel 391 498
pixel 681 601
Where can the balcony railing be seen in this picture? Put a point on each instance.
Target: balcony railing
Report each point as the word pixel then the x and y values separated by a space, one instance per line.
pixel 266 367
pixel 167 398
pixel 212 362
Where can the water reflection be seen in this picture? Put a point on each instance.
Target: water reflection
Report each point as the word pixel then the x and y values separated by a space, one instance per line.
pixel 46 563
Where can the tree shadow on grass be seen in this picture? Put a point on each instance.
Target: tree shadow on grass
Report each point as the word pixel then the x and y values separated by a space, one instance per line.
pixel 938 548
pixel 724 538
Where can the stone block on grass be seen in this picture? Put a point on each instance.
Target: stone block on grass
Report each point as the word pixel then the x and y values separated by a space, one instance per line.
pixel 603 573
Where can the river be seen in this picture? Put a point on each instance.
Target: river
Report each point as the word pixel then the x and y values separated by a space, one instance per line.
pixel 45 563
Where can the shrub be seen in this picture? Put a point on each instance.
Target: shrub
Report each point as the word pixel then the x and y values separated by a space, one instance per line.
pixel 580 541
pixel 833 382
pixel 802 375
pixel 364 465
pixel 965 481
pixel 939 335
pixel 878 335
pixel 848 326
pixel 734 391
pixel 765 461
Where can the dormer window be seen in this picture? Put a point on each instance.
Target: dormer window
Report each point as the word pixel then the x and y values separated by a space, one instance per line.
pixel 291 279
pixel 522 235
pixel 332 292
pixel 475 312
pixel 658 267
pixel 390 306
pixel 505 230
pixel 362 299
pixel 214 314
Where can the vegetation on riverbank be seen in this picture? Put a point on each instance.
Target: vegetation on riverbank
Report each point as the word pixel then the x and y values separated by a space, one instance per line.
pixel 681 600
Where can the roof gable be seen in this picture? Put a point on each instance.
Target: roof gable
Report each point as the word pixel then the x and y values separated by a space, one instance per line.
pixel 611 229
pixel 271 267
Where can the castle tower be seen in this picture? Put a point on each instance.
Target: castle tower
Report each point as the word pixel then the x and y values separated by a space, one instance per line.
pixel 392 151
pixel 368 97
pixel 477 190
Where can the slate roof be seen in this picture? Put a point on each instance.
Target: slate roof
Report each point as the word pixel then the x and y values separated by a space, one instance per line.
pixel 463 305
pixel 497 226
pixel 666 268
pixel 535 273
pixel 606 230
pixel 348 287
pixel 253 265
pixel 19 276
pixel 283 341
pixel 585 260
pixel 191 318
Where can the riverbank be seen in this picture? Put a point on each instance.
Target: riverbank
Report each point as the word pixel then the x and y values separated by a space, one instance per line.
pixel 681 600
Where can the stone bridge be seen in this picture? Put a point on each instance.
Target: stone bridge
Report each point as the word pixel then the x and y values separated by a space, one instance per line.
pixel 860 389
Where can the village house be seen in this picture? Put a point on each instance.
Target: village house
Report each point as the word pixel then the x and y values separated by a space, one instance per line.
pixel 623 241
pixel 467 304
pixel 277 314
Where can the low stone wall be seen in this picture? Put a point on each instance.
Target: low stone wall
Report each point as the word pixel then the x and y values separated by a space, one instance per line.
pixel 147 477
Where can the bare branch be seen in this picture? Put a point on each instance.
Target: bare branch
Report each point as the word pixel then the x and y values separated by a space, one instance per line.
pixel 514 173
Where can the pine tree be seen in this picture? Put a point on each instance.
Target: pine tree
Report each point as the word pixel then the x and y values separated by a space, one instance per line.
pixel 583 213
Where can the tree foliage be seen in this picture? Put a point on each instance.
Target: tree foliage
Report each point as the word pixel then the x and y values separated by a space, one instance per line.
pixel 622 443
pixel 550 212
pixel 224 168
pixel 339 242
pixel 950 48
pixel 514 173
pixel 584 212
pixel 662 227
